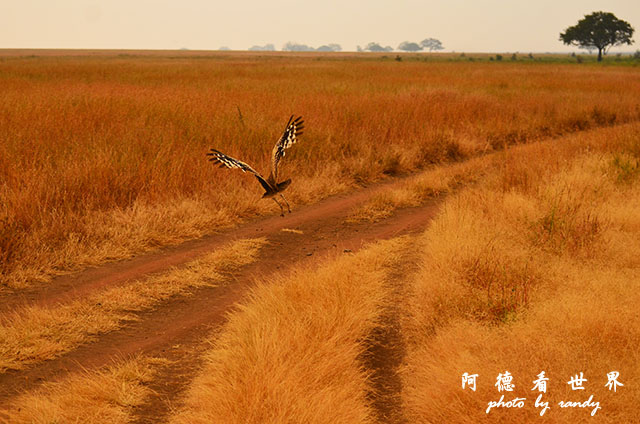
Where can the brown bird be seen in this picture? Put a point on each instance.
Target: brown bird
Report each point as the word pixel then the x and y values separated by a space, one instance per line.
pixel 271 185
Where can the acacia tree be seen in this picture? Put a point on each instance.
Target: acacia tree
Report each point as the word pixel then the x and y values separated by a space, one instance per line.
pixel 265 48
pixel 432 44
pixel 408 46
pixel 375 47
pixel 329 48
pixel 295 47
pixel 599 30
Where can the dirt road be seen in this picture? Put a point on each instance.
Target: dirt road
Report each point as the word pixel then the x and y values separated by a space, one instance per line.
pixel 176 328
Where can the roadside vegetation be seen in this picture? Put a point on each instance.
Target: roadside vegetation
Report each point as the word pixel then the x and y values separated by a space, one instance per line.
pixel 533 267
pixel 293 351
pixel 37 333
pixel 105 396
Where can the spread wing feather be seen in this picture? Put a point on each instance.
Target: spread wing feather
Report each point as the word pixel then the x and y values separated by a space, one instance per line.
pixel 229 162
pixel 289 137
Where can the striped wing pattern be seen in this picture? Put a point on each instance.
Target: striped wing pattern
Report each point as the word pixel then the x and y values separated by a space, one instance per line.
pixel 229 162
pixel 289 137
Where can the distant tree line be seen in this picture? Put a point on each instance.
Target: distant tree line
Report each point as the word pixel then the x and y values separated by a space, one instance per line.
pixel 295 47
pixel 597 31
pixel 265 48
pixel 329 48
pixel 430 44
pixel 374 47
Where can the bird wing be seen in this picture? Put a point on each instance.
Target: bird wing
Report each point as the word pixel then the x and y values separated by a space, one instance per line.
pixel 289 137
pixel 229 162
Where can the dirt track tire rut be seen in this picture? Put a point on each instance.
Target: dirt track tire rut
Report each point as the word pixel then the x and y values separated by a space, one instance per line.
pixel 79 284
pixel 185 321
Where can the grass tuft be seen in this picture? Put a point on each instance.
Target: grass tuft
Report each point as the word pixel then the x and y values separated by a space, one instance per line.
pixel 104 396
pixel 292 353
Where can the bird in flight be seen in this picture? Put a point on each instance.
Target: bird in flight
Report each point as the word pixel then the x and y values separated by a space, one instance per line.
pixel 271 185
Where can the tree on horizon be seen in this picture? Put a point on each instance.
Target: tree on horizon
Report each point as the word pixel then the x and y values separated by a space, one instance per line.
pixel 295 47
pixel 409 46
pixel 375 47
pixel 265 48
pixel 599 30
pixel 329 48
pixel 432 44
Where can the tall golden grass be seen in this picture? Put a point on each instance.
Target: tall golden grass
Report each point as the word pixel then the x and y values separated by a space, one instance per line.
pixel 535 269
pixel 292 353
pixel 102 157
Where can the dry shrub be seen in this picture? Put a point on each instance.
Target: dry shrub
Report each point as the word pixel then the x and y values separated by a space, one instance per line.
pixel 567 227
pixel 570 221
pixel 501 286
pixel 476 266
pixel 626 167
pixel 443 148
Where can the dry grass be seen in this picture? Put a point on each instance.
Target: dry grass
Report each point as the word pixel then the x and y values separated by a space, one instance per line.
pixel 536 268
pixel 417 189
pixel 291 354
pixel 533 267
pixel 103 157
pixel 105 396
pixel 37 333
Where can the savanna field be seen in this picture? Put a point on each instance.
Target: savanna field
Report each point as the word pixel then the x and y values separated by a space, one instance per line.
pixel 530 260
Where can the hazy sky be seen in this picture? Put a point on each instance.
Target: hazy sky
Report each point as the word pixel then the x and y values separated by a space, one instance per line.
pixel 481 25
